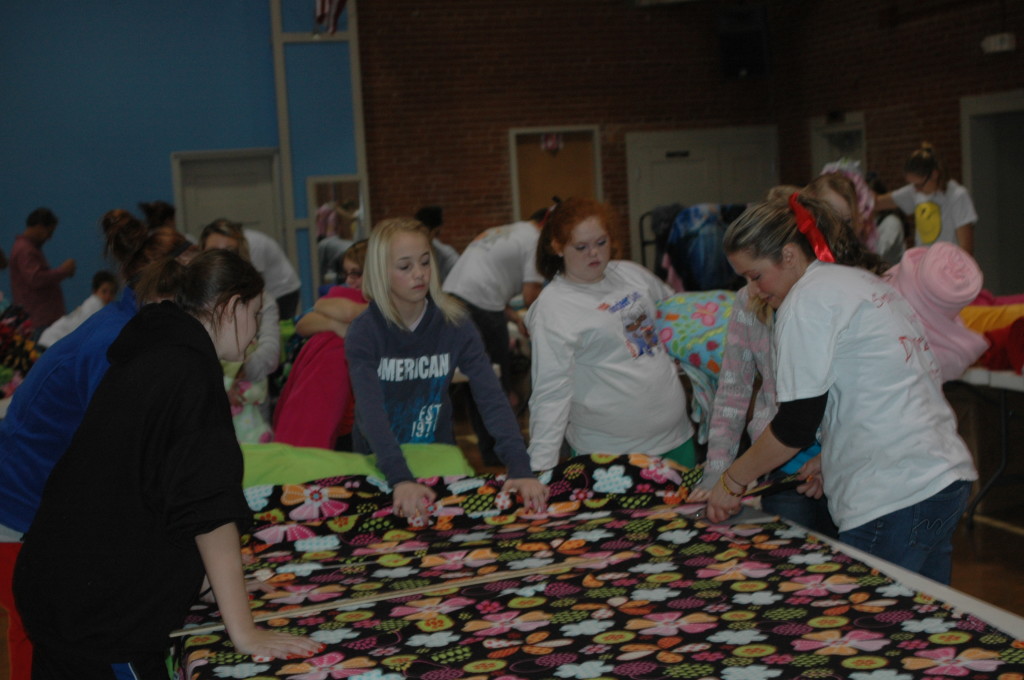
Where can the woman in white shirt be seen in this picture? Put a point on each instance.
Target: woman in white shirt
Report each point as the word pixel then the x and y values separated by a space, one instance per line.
pixel 852 357
pixel 601 378
pixel 942 208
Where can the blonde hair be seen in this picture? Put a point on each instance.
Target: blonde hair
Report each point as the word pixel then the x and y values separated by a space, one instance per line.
pixel 232 230
pixel 376 279
pixel 764 229
pixel 781 191
pixel 843 187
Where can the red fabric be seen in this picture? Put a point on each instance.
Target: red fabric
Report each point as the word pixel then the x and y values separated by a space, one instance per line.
pixel 316 405
pixel 19 649
pixel 987 299
pixel 1006 348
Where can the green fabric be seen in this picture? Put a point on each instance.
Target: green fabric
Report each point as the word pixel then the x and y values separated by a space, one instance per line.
pixel 277 463
pixel 684 454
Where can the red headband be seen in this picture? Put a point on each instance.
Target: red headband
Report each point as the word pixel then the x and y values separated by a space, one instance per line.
pixel 807 225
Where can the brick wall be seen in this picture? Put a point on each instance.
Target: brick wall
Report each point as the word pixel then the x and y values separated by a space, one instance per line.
pixel 444 81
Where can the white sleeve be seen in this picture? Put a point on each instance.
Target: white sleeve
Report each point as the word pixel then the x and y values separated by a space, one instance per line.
pixel 263 360
pixel 904 198
pixel 552 364
pixel 961 208
pixel 806 339
pixel 530 272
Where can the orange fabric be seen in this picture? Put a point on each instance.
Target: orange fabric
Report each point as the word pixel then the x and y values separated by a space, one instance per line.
pixel 19 649
pixel 982 319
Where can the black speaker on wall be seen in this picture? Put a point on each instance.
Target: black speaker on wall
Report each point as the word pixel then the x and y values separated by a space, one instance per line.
pixel 743 41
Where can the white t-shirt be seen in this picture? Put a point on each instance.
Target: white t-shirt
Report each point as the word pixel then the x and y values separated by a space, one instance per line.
pixel 447 256
pixel 937 216
pixel 69 322
pixel 269 260
pixel 890 239
pixel 889 438
pixel 493 268
pixel 601 378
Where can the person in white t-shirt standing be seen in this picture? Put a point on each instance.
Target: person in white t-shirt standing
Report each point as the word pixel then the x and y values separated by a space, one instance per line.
pixel 852 357
pixel 942 208
pixel 270 260
pixel 601 378
pixel 498 265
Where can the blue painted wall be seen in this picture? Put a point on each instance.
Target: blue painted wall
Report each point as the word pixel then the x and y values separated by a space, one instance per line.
pixel 97 95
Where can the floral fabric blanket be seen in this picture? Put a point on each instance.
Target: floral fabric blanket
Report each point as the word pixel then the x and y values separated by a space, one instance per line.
pixel 616 580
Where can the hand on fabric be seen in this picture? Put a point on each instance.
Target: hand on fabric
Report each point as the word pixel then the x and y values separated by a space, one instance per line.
pixel 811 474
pixel 260 642
pixel 699 494
pixel 220 550
pixel 411 500
pixel 533 492
pixel 721 505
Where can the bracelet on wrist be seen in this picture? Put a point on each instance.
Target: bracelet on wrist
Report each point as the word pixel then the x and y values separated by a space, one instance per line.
pixel 726 486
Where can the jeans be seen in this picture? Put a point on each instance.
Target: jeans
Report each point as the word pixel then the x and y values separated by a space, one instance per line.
pixel 811 513
pixel 918 537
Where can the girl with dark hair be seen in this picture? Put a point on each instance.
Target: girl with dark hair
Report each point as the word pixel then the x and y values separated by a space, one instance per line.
pixel 48 406
pixel 158 214
pixel 160 472
pixel 249 385
pixel 942 208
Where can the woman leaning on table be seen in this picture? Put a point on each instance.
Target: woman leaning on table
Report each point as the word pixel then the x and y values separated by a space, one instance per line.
pixel 601 378
pixel 852 357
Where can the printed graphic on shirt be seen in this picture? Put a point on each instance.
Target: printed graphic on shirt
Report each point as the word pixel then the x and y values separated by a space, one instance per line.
pixel 637 324
pixel 406 368
pixel 928 221
pixel 415 389
pixel 489 237
pixel 911 345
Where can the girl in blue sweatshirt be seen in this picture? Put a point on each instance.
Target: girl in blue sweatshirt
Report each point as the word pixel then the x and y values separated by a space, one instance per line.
pixel 402 352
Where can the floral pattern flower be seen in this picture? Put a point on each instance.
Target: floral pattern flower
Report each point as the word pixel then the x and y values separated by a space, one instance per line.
pixel 656 594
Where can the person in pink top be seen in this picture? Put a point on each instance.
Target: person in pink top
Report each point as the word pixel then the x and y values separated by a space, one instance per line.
pixel 34 286
pixel 316 407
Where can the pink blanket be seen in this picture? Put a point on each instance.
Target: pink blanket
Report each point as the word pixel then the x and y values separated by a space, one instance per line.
pixel 938 282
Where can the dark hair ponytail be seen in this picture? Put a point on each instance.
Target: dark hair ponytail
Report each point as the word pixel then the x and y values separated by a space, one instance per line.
pixel 923 162
pixel 124 234
pixel 204 286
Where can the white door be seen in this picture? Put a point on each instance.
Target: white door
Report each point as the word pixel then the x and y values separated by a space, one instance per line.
pixel 992 138
pixel 242 186
pixel 838 138
pixel 715 165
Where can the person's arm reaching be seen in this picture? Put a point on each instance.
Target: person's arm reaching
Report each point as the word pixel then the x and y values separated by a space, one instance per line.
pixel 222 558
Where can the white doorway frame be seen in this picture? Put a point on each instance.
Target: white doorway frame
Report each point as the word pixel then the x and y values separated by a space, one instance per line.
pixel 828 135
pixel 983 105
pixel 513 138
pixel 180 158
pixel 998 235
